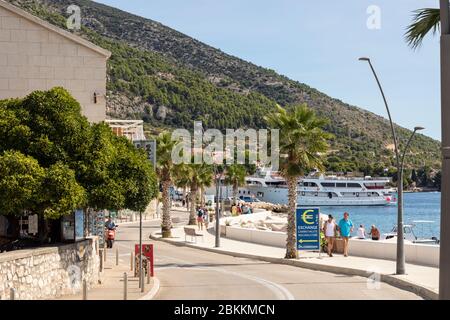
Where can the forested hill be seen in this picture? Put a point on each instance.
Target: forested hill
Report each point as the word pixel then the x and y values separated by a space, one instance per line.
pixel 169 79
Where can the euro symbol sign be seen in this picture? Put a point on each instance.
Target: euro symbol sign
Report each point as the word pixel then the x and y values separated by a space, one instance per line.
pixel 308 217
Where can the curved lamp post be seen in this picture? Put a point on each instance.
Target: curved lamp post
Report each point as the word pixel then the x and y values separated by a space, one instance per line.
pixel 400 265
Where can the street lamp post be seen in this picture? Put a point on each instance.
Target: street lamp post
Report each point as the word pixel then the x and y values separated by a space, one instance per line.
pixel 216 172
pixel 400 265
pixel 444 257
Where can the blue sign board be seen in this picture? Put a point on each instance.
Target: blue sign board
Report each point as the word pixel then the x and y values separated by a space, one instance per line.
pixel 308 228
pixel 79 224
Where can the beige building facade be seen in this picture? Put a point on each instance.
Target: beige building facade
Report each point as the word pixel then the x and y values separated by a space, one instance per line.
pixel 35 55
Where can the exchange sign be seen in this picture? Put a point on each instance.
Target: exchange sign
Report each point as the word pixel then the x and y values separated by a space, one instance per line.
pixel 308 228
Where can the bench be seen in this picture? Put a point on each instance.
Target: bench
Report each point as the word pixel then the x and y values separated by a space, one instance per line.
pixel 192 233
pixel 176 220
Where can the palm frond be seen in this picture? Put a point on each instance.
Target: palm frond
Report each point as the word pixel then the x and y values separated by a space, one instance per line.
pixel 424 21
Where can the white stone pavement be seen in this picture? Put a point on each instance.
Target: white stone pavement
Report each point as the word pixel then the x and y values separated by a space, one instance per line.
pixel 422 280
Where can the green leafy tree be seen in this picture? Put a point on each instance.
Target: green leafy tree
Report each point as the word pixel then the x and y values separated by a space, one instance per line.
pixel 302 144
pixel 21 179
pixel 83 165
pixel 61 194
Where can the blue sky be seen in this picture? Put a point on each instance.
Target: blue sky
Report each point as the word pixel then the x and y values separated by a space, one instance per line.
pixel 318 42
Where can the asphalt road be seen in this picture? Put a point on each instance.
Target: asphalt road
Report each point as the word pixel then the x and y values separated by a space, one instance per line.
pixel 193 274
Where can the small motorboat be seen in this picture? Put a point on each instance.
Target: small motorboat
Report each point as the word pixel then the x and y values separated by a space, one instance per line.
pixel 411 235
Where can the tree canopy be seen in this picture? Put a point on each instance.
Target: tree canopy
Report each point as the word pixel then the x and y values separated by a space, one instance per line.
pixel 52 160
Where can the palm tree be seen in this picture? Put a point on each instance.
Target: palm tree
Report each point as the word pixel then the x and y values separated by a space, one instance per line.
pixel 179 177
pixel 235 176
pixel 197 177
pixel 301 143
pixel 165 166
pixel 424 21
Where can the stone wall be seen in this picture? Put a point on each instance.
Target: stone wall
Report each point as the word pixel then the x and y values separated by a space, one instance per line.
pixel 49 272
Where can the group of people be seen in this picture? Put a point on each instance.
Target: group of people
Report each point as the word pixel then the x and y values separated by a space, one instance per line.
pixel 240 208
pixel 345 228
pixel 202 218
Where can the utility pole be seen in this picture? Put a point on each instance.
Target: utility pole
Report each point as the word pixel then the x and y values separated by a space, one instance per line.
pixel 444 257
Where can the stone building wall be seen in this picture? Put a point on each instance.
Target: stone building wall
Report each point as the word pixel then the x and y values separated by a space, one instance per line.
pixel 35 55
pixel 46 273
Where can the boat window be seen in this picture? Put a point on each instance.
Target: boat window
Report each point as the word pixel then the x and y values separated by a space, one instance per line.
pixel 353 185
pixel 303 193
pixel 341 185
pixel 328 184
pixel 260 194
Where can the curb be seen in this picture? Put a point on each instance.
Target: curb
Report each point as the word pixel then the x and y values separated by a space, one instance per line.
pixel 137 221
pixel 402 284
pixel 152 293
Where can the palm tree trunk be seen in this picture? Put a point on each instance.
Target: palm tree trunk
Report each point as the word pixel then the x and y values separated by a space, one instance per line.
pixel 291 243
pixel 235 192
pixel 193 202
pixel 166 221
pixel 202 196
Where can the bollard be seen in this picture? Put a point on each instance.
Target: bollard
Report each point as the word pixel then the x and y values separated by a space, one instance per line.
pixel 131 261
pixel 85 289
pixel 100 252
pixel 148 271
pixel 125 286
pixel 12 294
pixel 117 256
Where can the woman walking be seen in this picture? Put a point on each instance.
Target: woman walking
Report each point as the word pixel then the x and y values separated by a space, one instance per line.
pixel 200 214
pixel 329 230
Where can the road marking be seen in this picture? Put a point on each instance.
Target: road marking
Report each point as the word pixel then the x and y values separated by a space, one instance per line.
pixel 279 291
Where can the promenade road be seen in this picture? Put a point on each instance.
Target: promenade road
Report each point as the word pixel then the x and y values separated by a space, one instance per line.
pixel 187 273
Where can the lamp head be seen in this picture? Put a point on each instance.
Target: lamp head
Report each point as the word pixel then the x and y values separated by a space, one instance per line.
pixel 418 128
pixel 364 59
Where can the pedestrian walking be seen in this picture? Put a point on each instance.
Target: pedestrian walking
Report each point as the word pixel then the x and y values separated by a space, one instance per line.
pixel 345 228
pixel 329 229
pixel 200 218
pixel 206 218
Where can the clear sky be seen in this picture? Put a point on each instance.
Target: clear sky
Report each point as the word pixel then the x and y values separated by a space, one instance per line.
pixel 318 42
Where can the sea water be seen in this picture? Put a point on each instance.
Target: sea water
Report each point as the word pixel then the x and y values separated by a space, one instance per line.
pixel 416 206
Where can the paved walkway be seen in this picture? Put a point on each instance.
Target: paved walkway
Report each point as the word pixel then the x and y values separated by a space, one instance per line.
pixel 419 279
pixel 112 285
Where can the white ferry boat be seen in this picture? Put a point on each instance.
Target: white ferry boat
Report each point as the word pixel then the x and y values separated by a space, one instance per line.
pixel 317 190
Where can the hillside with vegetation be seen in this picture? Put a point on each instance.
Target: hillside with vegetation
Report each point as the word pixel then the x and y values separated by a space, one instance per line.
pixel 169 79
